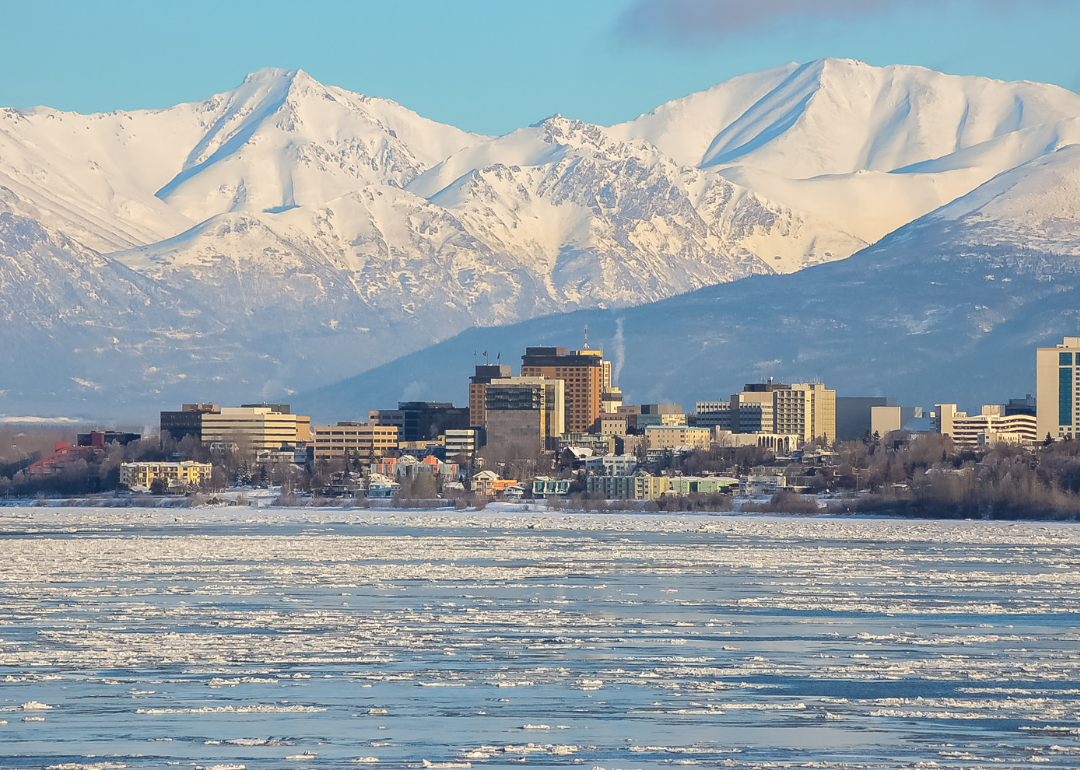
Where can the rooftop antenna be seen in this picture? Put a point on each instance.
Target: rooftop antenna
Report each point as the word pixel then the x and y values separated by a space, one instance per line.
pixel 586 331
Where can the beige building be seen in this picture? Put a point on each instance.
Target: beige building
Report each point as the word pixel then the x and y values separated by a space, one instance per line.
pixel 807 410
pixel 674 436
pixel 255 428
pixel 1057 373
pixel 139 476
pixel 650 487
pixel 354 440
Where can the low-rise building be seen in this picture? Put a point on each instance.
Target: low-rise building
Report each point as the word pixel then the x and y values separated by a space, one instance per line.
pixel 611 487
pixel 674 436
pixel 991 427
pixel 544 487
pixel 253 428
pixel 761 485
pixel 611 465
pixel 488 484
pixel 650 487
pixel 175 476
pixel 708 485
pixel 354 441
pixel 64 456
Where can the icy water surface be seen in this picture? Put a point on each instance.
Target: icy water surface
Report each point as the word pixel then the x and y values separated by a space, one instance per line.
pixel 290 639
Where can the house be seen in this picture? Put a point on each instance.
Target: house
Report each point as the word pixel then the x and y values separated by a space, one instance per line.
pixel 382 487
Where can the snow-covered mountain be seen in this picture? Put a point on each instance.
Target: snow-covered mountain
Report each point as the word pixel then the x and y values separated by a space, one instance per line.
pixel 286 234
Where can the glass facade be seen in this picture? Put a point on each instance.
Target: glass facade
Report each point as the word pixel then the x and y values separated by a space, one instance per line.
pixel 1065 395
pixel 1065 359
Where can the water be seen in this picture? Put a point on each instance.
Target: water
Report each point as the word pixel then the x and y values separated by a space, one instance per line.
pixel 289 639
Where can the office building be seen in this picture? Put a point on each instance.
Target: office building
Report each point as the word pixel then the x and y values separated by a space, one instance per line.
pixel 303 423
pixel 585 375
pixel 186 422
pixel 713 414
pixel 854 415
pixel 478 383
pixel 991 427
pixel 100 439
pixel 518 410
pixel 462 443
pixel 421 420
pixel 252 429
pixel 1057 373
pixel 676 437
pixel 354 441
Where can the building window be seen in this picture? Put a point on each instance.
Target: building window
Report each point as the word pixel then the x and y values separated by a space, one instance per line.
pixel 1065 401
pixel 1065 359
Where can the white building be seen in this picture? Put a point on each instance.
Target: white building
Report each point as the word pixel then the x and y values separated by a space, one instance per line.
pixel 991 427
pixel 612 465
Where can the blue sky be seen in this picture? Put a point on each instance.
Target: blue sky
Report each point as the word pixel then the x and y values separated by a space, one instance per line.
pixel 493 65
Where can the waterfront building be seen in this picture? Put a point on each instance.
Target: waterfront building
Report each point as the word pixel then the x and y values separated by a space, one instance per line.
pixel 175 476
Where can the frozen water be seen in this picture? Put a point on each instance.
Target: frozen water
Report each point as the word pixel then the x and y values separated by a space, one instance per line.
pixel 330 638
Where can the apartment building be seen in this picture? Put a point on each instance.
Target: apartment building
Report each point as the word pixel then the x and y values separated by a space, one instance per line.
pixel 660 437
pixel 139 476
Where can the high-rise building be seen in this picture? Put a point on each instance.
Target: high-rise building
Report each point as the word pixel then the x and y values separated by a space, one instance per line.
pixel 354 440
pixel 421 420
pixel 1057 373
pixel 478 383
pixel 517 410
pixel 807 410
pixel 585 375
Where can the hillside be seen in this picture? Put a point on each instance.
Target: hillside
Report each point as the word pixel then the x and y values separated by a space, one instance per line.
pixel 286 234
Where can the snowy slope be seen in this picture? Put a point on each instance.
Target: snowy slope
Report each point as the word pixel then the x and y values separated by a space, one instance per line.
pixel 286 234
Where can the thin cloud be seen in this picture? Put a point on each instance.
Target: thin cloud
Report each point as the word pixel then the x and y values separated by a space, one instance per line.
pixel 681 19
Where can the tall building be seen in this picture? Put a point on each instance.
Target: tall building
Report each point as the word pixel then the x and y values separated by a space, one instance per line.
pixel 807 410
pixel 478 383
pixel 752 411
pixel 255 428
pixel 421 420
pixel 186 422
pixel 1057 374
pixel 354 440
pixel 585 375
pixel 517 410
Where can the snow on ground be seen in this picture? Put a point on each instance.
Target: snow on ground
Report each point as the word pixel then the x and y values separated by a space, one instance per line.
pixel 264 637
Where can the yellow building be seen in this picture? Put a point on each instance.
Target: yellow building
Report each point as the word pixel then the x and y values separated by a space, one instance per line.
pixel 355 440
pixel 255 428
pixel 991 427
pixel 674 436
pixel 807 410
pixel 650 487
pixel 140 476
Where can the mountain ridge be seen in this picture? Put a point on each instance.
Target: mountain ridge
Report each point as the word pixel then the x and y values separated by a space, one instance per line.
pixel 274 227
